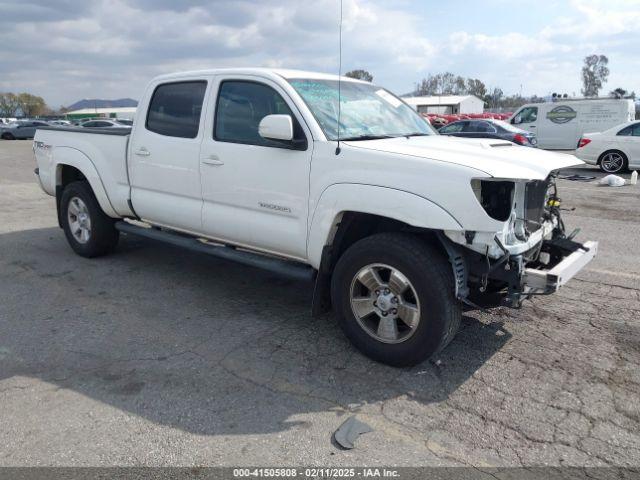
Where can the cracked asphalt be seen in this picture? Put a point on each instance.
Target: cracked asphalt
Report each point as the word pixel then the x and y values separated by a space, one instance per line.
pixel 158 356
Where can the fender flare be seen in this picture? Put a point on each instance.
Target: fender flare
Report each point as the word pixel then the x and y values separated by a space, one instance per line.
pixel 386 202
pixel 75 158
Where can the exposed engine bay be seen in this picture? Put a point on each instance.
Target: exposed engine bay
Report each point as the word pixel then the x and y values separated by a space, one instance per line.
pixel 531 255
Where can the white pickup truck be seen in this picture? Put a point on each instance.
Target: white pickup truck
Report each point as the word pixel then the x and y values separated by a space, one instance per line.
pixel 398 226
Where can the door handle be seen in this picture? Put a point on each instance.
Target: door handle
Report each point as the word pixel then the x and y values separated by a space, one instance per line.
pixel 212 160
pixel 143 152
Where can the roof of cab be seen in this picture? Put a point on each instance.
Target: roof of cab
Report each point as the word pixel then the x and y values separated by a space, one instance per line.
pixel 262 72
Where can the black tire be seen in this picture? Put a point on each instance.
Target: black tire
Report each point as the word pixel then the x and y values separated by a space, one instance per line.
pixel 623 167
pixel 430 275
pixel 8 136
pixel 103 236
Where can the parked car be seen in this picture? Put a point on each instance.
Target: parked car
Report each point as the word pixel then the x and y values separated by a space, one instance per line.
pixel 489 128
pixel 613 150
pixel 397 226
pixel 106 123
pixel 559 125
pixel 21 129
pixel 60 123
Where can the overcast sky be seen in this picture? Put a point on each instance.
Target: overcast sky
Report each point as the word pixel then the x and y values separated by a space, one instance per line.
pixel 66 50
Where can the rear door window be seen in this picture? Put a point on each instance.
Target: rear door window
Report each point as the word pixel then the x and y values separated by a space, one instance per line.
pixel 454 127
pixel 175 109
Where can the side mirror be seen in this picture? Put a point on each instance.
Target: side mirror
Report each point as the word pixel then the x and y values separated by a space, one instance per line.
pixel 517 120
pixel 276 127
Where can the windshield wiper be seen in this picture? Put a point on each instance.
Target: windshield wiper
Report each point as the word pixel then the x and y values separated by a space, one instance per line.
pixel 417 134
pixel 367 137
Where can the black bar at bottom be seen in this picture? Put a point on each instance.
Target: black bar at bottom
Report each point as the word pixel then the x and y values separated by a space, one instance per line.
pixel 279 266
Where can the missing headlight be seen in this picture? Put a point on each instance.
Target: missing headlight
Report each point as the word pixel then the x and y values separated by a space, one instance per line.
pixel 495 196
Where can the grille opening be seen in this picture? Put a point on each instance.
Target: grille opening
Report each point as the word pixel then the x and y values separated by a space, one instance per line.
pixel 534 203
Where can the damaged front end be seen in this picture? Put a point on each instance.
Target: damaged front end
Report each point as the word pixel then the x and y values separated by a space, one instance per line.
pixel 530 255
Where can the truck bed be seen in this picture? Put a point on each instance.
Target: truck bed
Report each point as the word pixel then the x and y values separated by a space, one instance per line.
pixel 104 148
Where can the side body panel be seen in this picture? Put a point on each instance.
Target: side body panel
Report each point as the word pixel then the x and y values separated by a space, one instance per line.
pixel 100 158
pixel 419 192
pixel 255 195
pixel 561 124
pixel 165 170
pixel 387 202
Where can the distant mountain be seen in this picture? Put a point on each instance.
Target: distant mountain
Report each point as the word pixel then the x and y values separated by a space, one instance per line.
pixel 97 103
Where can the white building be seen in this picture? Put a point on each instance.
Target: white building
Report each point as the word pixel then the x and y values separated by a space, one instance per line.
pixel 445 104
pixel 113 112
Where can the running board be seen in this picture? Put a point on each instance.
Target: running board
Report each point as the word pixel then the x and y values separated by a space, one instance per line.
pixel 275 265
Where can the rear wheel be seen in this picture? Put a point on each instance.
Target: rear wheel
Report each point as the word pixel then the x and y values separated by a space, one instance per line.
pixel 613 162
pixel 394 297
pixel 8 136
pixel 89 231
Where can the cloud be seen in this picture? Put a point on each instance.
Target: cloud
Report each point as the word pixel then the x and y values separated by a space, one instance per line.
pixel 66 50
pixel 112 47
pixel 550 59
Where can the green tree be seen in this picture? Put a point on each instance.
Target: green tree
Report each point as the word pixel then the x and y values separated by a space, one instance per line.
pixel 8 104
pixel 476 87
pixel 595 74
pixel 622 93
pixel 31 105
pixel 449 84
pixel 360 75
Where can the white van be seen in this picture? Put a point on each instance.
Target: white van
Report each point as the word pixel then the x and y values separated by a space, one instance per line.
pixel 559 125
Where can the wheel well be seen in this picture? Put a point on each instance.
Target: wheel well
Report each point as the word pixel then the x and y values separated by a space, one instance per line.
pixel 68 174
pixel 354 226
pixel 65 175
pixel 351 227
pixel 613 150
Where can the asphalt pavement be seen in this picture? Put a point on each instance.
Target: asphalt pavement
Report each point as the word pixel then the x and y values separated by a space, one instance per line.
pixel 159 356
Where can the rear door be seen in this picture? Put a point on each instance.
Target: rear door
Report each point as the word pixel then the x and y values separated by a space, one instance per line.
pixel 628 140
pixel 480 129
pixel 26 130
pixel 164 154
pixel 635 145
pixel 560 126
pixel 255 191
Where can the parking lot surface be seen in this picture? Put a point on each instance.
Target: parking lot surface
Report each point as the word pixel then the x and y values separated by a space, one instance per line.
pixel 159 356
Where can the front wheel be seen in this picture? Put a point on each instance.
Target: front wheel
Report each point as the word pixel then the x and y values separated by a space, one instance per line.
pixel 89 231
pixel 394 297
pixel 8 136
pixel 613 162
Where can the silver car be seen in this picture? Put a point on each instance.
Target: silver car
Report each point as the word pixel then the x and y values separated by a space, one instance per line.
pixel 21 129
pixel 106 124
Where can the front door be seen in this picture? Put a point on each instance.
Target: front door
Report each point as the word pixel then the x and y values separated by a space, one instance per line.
pixel 255 191
pixel 164 156
pixel 527 119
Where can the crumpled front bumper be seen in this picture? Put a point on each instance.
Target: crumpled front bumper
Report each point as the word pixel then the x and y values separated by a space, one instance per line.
pixel 541 281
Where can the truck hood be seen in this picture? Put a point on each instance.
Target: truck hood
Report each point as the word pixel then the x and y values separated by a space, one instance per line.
pixel 497 158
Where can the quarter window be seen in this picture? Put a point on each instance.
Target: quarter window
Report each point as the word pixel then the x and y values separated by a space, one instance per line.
pixel 241 107
pixel 175 109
